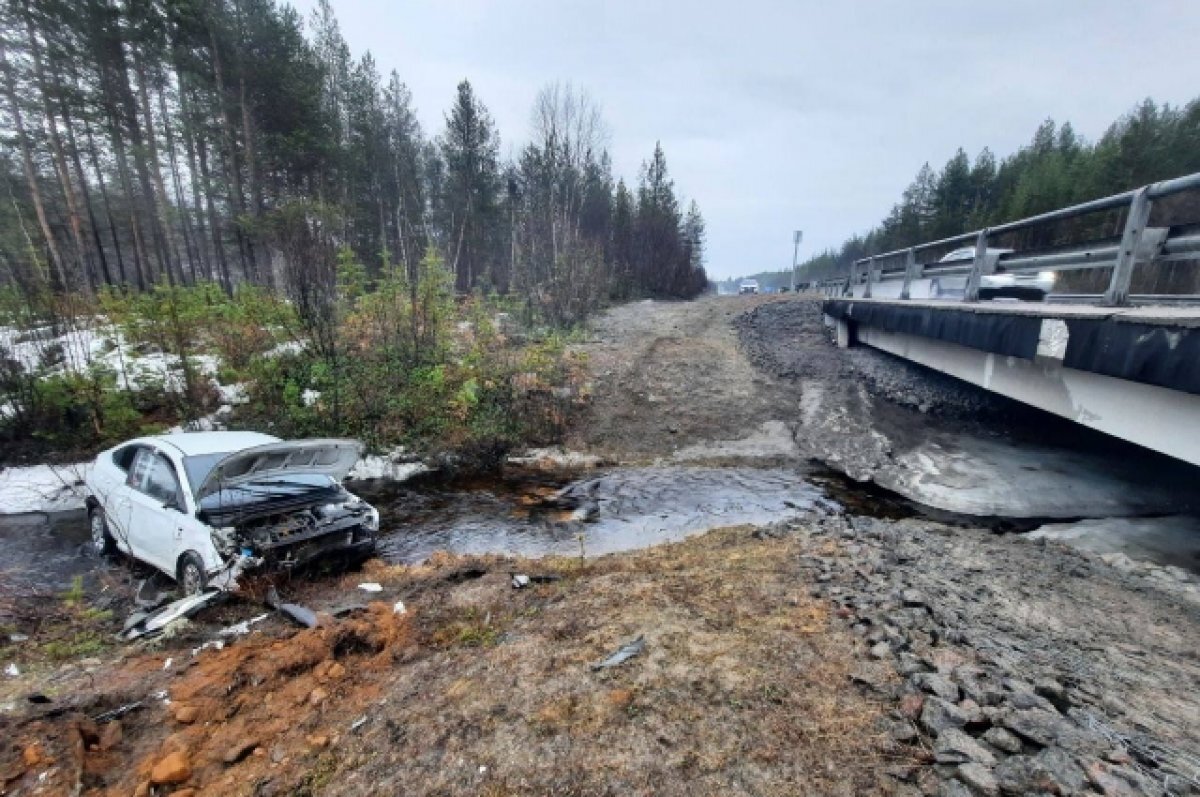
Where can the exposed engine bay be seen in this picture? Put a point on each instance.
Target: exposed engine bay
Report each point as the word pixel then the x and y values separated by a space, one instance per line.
pixel 285 534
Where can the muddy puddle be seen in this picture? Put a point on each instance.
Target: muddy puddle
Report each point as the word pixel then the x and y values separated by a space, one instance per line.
pixel 45 552
pixel 615 511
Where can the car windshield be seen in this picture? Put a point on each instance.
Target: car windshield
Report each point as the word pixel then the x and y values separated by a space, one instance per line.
pixel 198 467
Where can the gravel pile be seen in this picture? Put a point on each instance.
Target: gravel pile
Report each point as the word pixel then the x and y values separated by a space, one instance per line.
pixel 789 340
pixel 1017 667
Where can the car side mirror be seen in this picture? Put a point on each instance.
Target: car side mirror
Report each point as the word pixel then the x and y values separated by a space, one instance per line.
pixel 174 502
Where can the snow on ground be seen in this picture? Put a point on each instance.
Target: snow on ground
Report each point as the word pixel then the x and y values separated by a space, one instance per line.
pixel 42 488
pixel 555 459
pixel 236 393
pixel 287 347
pixel 389 466
pixel 1170 540
pixel 98 343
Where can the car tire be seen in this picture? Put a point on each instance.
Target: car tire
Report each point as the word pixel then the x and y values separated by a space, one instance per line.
pixel 102 540
pixel 190 574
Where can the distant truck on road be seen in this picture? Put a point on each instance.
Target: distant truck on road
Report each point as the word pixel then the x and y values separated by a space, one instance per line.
pixel 748 286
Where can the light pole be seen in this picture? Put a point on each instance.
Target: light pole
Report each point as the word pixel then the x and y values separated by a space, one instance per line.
pixel 796 236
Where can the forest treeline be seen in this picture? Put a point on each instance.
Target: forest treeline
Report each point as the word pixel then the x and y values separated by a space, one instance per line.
pixel 174 142
pixel 210 212
pixel 1056 169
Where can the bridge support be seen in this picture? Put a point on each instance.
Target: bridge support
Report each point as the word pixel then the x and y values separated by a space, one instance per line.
pixel 1155 417
pixel 843 332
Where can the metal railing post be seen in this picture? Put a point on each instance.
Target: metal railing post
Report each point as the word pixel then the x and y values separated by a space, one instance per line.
pixel 870 276
pixel 979 267
pixel 910 272
pixel 1135 227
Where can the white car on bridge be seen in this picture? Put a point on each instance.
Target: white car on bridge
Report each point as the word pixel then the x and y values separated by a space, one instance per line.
pixel 196 504
pixel 1000 285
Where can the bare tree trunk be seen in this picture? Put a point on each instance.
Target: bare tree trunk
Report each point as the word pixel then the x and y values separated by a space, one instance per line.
pixel 10 92
pixel 158 195
pixel 60 160
pixel 112 224
pixel 180 202
pixel 213 219
pixel 189 144
pixel 122 109
pixel 248 144
pixel 256 196
pixel 81 176
pixel 237 199
pixel 140 257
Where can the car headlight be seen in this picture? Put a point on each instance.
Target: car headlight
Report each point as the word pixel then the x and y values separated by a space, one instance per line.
pixel 1048 276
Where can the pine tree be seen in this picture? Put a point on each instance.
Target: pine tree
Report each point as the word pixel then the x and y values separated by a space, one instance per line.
pixel 470 150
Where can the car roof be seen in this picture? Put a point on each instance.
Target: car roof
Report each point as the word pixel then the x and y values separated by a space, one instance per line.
pixel 194 444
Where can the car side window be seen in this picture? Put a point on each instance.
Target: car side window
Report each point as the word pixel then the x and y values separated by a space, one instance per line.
pixel 155 476
pixel 137 469
pixel 123 457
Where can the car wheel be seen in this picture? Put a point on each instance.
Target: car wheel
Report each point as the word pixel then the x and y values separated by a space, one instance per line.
pixel 191 575
pixel 102 541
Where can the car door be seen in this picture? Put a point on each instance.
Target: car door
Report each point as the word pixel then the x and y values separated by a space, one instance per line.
pixel 118 504
pixel 154 527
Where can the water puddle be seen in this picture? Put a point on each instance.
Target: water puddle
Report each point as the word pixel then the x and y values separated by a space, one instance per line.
pixel 44 552
pixel 620 510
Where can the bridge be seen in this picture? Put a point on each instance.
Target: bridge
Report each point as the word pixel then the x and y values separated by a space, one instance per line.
pixel 1124 363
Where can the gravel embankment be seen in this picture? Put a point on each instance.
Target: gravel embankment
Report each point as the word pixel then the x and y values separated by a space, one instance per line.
pixel 1020 667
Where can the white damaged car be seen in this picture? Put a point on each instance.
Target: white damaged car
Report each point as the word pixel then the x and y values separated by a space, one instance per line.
pixel 201 505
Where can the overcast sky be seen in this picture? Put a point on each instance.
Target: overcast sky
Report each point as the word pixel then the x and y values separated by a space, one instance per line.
pixel 786 115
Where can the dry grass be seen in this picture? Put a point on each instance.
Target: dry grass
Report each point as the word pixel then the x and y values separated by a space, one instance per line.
pixel 743 687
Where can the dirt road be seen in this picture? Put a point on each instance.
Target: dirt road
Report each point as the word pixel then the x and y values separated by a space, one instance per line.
pixel 671 376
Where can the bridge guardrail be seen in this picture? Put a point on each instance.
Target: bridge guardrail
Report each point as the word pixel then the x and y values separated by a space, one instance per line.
pixel 1139 244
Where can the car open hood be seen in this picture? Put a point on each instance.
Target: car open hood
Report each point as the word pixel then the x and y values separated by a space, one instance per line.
pixel 333 458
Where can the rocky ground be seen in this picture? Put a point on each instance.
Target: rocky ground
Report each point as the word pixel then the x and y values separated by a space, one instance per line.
pixel 1024 668
pixel 859 647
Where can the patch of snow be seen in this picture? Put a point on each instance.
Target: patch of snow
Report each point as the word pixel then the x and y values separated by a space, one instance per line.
pixel 42 488
pixel 772 440
pixel 984 476
pixel 556 459
pixel 287 347
pixel 97 343
pixel 310 397
pixel 393 466
pixel 1171 540
pixel 232 394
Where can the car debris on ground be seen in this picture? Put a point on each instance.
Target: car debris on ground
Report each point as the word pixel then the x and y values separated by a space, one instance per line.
pixel 623 654
pixel 521 580
pixel 243 628
pixel 145 624
pixel 301 615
